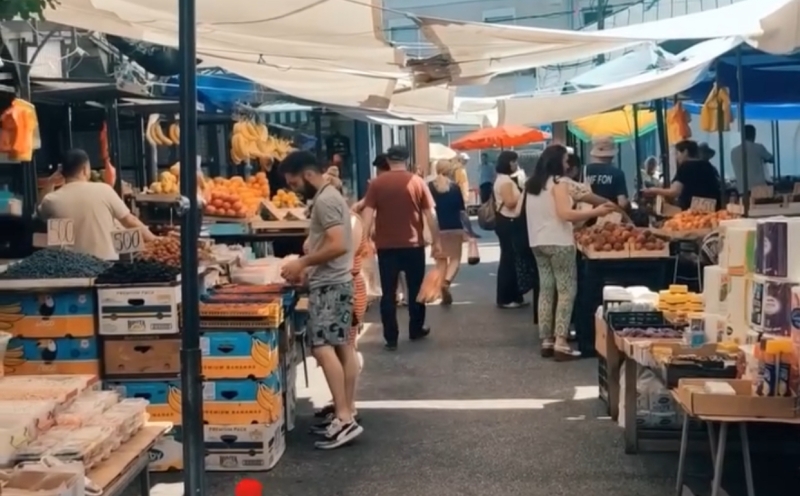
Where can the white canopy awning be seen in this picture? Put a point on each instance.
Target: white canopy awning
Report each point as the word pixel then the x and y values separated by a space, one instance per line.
pixel 547 108
pixel 482 50
pixel 327 51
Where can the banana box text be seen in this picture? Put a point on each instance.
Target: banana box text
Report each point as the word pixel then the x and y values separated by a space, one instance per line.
pixel 48 315
pixel 239 354
pixel 51 356
pixel 225 402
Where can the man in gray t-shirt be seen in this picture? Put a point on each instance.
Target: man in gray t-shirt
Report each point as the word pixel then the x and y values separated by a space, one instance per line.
pixel 330 300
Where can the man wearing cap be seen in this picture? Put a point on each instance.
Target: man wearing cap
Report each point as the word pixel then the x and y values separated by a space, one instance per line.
pixel 757 158
pixel 706 152
pixel 606 180
pixel 398 203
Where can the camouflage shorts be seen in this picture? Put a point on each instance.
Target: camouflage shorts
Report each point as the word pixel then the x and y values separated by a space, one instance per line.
pixel 330 314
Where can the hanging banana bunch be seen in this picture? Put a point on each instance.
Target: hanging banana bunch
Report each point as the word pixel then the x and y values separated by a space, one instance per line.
pixel 174 133
pixel 155 134
pixel 251 141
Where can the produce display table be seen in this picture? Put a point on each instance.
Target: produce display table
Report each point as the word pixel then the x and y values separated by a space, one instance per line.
pixel 719 446
pixel 129 463
pixel 594 274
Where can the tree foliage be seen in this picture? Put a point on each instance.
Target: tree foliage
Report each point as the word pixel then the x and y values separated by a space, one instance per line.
pixel 24 9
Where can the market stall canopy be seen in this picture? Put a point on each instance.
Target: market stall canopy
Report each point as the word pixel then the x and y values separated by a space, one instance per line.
pixel 618 124
pixel 500 137
pixel 554 107
pixel 438 151
pixel 298 48
pixel 479 51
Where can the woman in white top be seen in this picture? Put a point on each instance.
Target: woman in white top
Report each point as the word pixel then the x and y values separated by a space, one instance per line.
pixel 508 204
pixel 550 214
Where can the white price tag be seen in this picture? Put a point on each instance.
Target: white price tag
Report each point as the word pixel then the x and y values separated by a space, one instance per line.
pixel 60 232
pixel 205 346
pixel 209 391
pixel 703 204
pixel 610 218
pixel 128 241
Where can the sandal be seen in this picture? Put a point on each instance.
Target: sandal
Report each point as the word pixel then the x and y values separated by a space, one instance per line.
pixel 447 296
pixel 547 349
pixel 565 353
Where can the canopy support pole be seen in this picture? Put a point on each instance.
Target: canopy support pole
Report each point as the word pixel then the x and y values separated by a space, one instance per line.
pixel 112 131
pixel 191 378
pixel 740 107
pixel 663 142
pixel 637 151
pixel 720 137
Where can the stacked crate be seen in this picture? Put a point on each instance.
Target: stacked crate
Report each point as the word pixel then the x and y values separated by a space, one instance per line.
pixel 53 330
pixel 242 389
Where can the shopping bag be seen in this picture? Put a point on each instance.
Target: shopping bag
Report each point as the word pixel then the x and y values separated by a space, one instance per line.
pixel 431 289
pixel 486 215
pixel 473 255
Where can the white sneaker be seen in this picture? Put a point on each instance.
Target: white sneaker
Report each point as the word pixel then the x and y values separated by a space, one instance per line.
pixel 339 434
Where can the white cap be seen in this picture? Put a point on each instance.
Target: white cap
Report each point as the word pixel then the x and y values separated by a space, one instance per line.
pixel 570 150
pixel 464 156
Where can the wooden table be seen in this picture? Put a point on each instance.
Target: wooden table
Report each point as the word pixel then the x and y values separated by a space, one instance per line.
pixel 719 446
pixel 129 462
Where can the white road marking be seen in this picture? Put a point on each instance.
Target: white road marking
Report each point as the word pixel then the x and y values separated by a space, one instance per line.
pixel 493 404
pixel 586 392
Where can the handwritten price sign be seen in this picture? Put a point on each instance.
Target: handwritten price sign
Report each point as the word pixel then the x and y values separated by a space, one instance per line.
pixel 127 241
pixel 703 204
pixel 611 218
pixel 60 232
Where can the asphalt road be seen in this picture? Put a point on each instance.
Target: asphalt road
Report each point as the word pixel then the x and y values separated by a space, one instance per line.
pixel 472 411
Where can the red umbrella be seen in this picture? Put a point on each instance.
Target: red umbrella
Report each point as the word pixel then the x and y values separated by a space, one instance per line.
pixel 500 137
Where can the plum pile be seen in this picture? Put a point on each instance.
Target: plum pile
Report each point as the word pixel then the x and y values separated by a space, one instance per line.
pixel 139 272
pixel 650 332
pixel 56 263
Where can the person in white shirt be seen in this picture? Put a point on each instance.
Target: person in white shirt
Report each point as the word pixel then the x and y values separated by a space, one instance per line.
pixel 757 158
pixel 550 214
pixel 95 208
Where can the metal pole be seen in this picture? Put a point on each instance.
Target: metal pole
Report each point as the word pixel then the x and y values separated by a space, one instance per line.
pixel 663 142
pixel 112 128
pixel 740 118
pixel 720 137
pixel 637 152
pixel 601 24
pixel 191 379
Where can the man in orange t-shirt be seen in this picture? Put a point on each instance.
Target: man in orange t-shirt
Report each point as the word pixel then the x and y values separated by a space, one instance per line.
pixel 399 204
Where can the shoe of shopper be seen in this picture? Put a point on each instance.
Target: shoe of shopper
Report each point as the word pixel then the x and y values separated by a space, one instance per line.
pixel 339 433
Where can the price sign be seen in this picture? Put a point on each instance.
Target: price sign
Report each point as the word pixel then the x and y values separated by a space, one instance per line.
pixel 60 232
pixel 703 204
pixel 761 192
pixel 127 241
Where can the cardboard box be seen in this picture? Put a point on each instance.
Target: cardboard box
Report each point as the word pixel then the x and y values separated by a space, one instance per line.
pixel 228 448
pixel 139 310
pixel 743 404
pixel 43 483
pixel 142 356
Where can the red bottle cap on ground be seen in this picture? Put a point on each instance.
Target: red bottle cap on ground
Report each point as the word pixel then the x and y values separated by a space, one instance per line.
pixel 249 487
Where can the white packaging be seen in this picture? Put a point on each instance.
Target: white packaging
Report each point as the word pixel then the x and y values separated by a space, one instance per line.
pixel 715 327
pixel 736 250
pixel 770 305
pixel 726 226
pixel 716 289
pixel 737 304
pixel 665 420
pixel 661 402
pixel 719 387
pixel 139 310
pixel 244 448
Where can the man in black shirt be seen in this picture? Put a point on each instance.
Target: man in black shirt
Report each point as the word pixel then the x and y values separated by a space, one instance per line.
pixel 696 177
pixel 606 179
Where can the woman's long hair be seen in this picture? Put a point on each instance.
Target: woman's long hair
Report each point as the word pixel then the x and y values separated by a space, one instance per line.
pixel 444 175
pixel 550 164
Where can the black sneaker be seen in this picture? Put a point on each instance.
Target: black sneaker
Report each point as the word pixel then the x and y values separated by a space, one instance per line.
pixel 422 334
pixel 390 346
pixel 325 411
pixel 321 428
pixel 339 434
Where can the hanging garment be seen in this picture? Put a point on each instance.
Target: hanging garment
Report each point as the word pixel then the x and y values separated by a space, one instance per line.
pixel 678 120
pixel 717 98
pixel 20 131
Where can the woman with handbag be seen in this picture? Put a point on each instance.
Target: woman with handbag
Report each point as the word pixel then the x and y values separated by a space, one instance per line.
pixel 453 220
pixel 507 199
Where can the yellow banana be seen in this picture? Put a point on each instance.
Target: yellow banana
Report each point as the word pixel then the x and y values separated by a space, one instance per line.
pixel 250 131
pixel 263 132
pixel 263 354
pixel 15 352
pixel 152 119
pixel 13 362
pixel 11 308
pixel 6 326
pixel 159 134
pixel 174 133
pixel 269 402
pixel 240 144
pixel 235 158
pixel 174 399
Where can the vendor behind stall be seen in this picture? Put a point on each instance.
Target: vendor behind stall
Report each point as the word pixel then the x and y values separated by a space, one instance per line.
pixel 696 177
pixel 94 208
pixel 605 178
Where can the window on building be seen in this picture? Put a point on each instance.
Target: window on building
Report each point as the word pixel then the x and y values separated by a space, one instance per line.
pixel 500 16
pixel 405 34
pixel 592 15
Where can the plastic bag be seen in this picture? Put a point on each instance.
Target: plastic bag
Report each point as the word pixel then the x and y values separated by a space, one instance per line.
pixel 431 289
pixel 473 255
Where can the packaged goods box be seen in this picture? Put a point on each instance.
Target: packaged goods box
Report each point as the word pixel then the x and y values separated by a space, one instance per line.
pixel 139 310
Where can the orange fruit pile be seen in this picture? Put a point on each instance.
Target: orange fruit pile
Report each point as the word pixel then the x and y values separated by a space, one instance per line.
pixel 236 197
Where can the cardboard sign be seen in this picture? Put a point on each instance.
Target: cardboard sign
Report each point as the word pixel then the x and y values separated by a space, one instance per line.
pixel 127 241
pixel 611 218
pixel 60 232
pixel 759 192
pixel 700 204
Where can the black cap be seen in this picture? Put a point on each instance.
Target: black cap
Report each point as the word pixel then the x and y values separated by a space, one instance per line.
pixel 380 161
pixel 706 150
pixel 397 153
